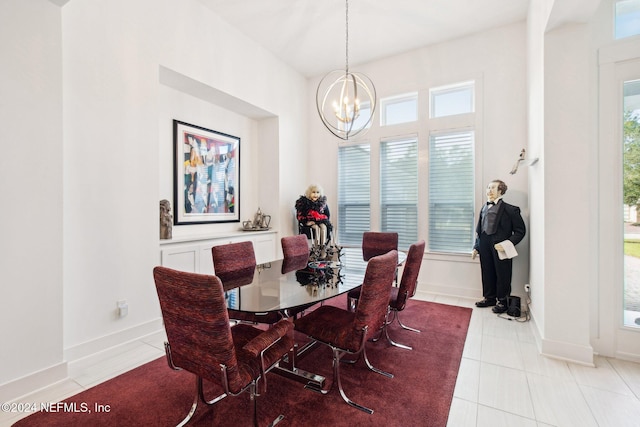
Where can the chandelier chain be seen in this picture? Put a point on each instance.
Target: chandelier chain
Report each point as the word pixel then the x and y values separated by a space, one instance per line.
pixel 346 101
pixel 347 37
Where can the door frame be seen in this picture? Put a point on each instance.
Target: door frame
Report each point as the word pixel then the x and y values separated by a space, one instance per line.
pixel 617 63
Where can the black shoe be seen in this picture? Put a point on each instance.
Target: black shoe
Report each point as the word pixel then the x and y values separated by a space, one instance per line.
pixel 486 303
pixel 499 308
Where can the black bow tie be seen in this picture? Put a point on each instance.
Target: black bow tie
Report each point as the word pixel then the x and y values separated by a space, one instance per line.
pixel 491 203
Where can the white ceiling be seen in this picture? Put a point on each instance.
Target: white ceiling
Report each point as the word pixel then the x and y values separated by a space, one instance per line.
pixel 309 35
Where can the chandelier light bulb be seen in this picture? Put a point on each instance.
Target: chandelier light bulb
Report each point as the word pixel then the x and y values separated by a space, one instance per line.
pixel 346 103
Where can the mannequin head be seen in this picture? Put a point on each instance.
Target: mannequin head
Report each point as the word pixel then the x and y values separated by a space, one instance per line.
pixel 314 192
pixel 495 189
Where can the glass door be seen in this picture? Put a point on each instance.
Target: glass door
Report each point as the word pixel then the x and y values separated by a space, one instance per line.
pixel 631 190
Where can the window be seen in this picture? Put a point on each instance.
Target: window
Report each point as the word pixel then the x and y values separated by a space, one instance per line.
pixel 354 187
pixel 399 189
pixel 399 109
pixel 451 100
pixel 442 210
pixel 451 184
pixel 627 18
pixel 361 120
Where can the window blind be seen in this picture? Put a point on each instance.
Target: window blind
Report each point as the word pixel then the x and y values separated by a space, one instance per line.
pixel 451 178
pixel 354 186
pixel 399 189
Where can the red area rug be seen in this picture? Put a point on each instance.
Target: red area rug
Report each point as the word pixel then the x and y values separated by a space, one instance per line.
pixel 419 395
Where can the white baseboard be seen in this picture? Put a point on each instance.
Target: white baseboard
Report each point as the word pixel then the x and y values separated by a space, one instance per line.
pixel 579 354
pixel 449 291
pixel 38 380
pixel 32 382
pixel 105 342
pixel 631 357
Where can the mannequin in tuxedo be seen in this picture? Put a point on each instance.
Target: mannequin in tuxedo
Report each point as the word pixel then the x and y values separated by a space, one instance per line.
pixel 498 221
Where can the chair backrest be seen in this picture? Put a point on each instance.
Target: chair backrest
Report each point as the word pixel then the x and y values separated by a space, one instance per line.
pixel 409 279
pixel 374 295
pixel 296 253
pixel 197 324
pixel 294 246
pixel 376 243
pixel 234 262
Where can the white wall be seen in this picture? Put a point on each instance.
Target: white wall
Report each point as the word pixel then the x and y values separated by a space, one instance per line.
pixel 31 186
pixel 569 145
pixel 572 260
pixel 117 136
pixel 496 59
pixel 114 106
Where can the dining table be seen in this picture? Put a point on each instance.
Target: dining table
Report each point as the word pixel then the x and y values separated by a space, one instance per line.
pixel 287 287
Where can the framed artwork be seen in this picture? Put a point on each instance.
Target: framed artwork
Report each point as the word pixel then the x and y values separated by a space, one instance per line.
pixel 206 179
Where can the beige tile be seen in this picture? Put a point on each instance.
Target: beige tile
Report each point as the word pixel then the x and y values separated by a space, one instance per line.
pixel 499 327
pixel 501 351
pixel 466 302
pixel 157 340
pixel 446 299
pixel 524 332
pixel 462 413
pixel 468 380
pixel 426 296
pixel 629 372
pixel 603 376
pixel 92 371
pixel 491 417
pixel 612 409
pixel 536 363
pixel 473 346
pixel 559 402
pixel 505 389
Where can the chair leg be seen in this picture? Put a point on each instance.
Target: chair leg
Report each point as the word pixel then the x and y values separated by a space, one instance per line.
pixel 194 406
pixel 370 366
pixel 337 356
pixel 199 396
pixel 336 376
pixel 404 326
pixel 392 342
pixel 385 331
pixel 254 400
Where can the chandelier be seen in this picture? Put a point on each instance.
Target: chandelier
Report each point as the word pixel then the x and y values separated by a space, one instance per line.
pixel 346 101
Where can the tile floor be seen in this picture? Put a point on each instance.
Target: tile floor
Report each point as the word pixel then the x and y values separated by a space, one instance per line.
pixel 503 381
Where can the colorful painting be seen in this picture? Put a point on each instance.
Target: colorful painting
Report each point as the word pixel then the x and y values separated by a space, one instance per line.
pixel 206 175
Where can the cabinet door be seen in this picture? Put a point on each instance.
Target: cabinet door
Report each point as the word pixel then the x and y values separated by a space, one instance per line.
pixel 264 246
pixel 184 258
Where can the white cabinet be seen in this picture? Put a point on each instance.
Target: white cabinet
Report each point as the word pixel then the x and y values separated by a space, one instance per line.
pixel 194 253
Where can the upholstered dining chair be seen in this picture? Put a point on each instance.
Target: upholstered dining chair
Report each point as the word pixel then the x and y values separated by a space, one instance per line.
pixel 296 257
pixel 295 250
pixel 295 246
pixel 406 289
pixel 233 260
pixel 374 243
pixel 347 332
pixel 201 340
pixel 233 263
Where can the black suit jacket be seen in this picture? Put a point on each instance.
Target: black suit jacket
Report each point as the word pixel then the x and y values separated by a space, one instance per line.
pixel 509 225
